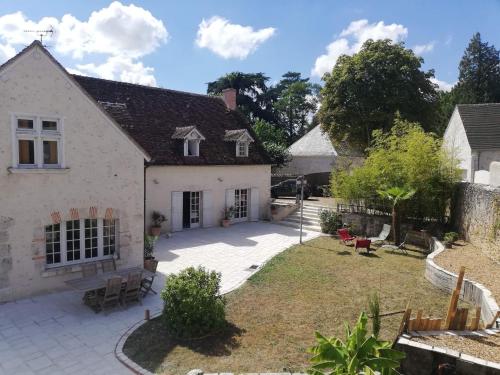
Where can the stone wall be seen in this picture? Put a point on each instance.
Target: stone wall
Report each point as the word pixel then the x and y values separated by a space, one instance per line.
pixel 370 225
pixel 475 214
pixel 5 253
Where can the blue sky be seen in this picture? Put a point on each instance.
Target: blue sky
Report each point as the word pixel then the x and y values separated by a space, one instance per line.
pixel 184 44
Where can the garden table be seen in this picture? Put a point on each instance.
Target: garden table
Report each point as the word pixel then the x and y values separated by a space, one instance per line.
pixel 96 282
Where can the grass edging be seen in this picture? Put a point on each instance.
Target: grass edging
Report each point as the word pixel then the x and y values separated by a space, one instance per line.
pixel 471 292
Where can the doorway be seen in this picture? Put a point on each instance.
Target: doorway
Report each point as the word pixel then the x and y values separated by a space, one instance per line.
pixel 191 209
pixel 241 205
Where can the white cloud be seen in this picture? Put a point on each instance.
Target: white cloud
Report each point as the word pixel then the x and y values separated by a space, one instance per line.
pixel 123 33
pixel 6 52
pixel 121 68
pixel 442 85
pixel 352 38
pixel 420 49
pixel 230 40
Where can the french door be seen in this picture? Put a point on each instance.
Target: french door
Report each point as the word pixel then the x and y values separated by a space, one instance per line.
pixel 240 204
pixel 194 217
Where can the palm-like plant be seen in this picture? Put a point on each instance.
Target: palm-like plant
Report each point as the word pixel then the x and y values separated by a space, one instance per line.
pixel 396 195
pixel 359 354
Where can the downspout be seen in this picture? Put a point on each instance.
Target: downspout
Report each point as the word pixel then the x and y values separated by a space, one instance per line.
pixel 144 189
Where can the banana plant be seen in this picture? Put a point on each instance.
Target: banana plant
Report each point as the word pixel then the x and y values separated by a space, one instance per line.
pixel 359 354
pixel 396 195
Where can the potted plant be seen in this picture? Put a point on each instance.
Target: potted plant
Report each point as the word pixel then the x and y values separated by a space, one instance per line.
pixel 149 246
pixel 449 239
pixel 274 209
pixel 227 215
pixel 158 219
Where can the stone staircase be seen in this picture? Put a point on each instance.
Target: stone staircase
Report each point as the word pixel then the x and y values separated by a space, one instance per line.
pixel 310 217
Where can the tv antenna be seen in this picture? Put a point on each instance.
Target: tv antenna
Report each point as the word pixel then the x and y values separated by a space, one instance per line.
pixel 42 33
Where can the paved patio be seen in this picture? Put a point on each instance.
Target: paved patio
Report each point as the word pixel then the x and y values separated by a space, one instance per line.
pixel 56 334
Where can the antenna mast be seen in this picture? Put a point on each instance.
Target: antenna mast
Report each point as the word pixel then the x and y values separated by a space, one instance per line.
pixel 42 33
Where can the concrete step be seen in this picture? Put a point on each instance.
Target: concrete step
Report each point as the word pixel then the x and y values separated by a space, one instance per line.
pixel 306 215
pixel 305 221
pixel 315 228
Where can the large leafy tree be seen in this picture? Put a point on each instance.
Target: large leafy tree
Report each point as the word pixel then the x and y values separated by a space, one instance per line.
pixel 364 91
pixel 274 141
pixel 252 93
pixel 406 156
pixel 296 103
pixel 479 73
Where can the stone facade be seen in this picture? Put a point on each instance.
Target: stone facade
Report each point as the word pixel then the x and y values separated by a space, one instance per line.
pixel 102 175
pixel 476 216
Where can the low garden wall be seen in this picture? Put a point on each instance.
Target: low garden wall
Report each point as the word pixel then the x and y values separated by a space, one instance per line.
pixel 471 292
pixel 423 359
pixel 369 225
pixel 281 211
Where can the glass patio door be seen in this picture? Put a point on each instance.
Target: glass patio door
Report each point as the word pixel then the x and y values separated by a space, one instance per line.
pixel 194 220
pixel 241 204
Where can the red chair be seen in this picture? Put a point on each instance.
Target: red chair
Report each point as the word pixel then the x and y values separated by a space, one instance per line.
pixel 362 244
pixel 344 236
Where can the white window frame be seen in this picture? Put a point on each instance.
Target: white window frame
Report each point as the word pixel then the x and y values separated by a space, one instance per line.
pixel 196 147
pixel 100 244
pixel 38 136
pixel 238 150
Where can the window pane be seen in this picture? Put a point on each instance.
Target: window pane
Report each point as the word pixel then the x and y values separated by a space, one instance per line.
pixel 49 152
pixel 26 151
pixel 24 124
pixel 108 237
pixel 49 125
pixel 90 238
pixel 73 240
pixel 52 244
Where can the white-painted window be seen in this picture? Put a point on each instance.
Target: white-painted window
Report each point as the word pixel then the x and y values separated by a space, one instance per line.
pixel 192 147
pixel 37 142
pixel 241 204
pixel 241 149
pixel 78 241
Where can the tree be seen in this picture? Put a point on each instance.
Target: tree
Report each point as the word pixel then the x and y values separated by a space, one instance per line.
pixel 274 141
pixel 252 93
pixel 358 354
pixel 479 73
pixel 405 156
pixel 365 91
pixel 296 102
pixel 396 195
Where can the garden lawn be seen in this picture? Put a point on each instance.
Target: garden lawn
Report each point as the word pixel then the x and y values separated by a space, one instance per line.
pixel 315 286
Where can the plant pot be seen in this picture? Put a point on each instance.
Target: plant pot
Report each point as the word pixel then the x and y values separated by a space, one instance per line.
pixel 155 231
pixel 226 223
pixel 448 244
pixel 148 258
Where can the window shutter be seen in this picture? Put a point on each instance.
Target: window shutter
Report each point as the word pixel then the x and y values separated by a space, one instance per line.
pixel 207 210
pixel 254 204
pixel 176 211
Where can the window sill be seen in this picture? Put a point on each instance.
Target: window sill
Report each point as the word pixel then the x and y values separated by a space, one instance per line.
pixel 69 269
pixel 38 170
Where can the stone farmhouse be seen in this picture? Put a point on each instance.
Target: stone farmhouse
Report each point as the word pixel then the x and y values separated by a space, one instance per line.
pixel 84 162
pixel 473 137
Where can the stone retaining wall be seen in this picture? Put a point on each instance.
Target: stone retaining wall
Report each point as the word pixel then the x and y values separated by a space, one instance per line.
pixel 471 292
pixel 475 213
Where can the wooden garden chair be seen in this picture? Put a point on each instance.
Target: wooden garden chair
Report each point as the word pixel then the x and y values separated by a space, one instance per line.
pixel 132 291
pixel 111 296
pixel 108 265
pixel 147 283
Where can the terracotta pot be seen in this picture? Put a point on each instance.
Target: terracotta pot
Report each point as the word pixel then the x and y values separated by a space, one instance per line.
pixel 226 223
pixel 155 231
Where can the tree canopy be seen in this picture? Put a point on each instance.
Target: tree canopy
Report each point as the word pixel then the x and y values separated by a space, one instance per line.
pixel 406 157
pixel 364 91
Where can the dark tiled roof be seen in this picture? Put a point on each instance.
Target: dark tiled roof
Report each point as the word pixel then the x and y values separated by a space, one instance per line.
pixel 233 135
pixel 182 133
pixel 482 125
pixel 153 115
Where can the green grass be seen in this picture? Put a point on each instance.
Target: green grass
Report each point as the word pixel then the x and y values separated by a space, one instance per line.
pixel 315 286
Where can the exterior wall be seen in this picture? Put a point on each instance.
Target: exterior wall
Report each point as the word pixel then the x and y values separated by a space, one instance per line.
pixel 475 213
pixel 161 181
pixel 104 170
pixel 300 165
pixel 455 141
pixel 487 157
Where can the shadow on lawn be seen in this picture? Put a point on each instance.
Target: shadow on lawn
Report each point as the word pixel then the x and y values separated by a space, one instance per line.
pixel 343 252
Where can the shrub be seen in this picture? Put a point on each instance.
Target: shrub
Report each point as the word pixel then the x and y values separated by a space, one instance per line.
pixel 374 308
pixel 193 306
pixel 330 221
pixel 158 218
pixel 451 237
pixel 149 245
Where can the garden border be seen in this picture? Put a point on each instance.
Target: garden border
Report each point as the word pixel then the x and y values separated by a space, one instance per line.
pixel 471 291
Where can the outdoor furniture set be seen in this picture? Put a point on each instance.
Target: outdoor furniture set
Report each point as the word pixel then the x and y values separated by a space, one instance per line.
pixel 365 243
pixel 112 287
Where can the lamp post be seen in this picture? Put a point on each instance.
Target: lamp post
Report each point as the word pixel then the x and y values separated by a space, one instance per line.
pixel 301 179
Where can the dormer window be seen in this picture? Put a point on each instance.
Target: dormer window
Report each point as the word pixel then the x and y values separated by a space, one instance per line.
pixel 191 137
pixel 241 138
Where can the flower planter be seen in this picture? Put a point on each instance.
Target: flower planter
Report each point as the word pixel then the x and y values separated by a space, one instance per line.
pixel 226 223
pixel 155 231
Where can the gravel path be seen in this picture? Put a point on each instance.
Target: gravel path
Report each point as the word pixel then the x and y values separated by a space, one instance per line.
pixel 478 267
pixel 487 348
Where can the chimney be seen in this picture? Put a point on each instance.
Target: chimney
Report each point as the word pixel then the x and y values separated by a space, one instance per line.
pixel 229 96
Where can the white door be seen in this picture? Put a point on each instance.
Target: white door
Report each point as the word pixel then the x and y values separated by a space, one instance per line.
pixel 195 205
pixel 241 204
pixel 207 210
pixel 254 204
pixel 176 211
